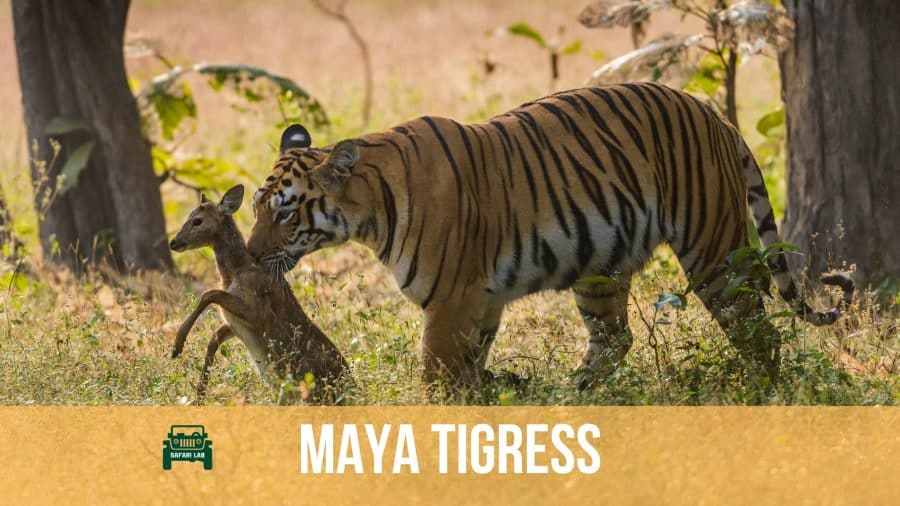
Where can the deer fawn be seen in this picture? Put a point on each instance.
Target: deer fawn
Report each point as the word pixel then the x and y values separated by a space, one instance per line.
pixel 258 307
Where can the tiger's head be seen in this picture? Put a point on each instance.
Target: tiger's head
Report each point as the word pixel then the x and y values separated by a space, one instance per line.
pixel 302 206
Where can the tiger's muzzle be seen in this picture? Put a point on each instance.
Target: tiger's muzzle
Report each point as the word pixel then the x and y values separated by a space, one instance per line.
pixel 279 262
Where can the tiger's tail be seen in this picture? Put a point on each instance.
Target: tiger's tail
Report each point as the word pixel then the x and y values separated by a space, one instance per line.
pixel 761 207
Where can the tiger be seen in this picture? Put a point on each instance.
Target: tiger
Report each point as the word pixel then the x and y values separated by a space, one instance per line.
pixel 573 187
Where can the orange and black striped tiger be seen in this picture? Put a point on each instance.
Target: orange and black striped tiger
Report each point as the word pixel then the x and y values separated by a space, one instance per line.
pixel 580 183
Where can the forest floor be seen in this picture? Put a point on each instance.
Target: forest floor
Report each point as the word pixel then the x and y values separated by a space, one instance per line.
pixel 106 338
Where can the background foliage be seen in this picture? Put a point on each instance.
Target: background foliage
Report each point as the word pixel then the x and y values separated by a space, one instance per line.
pixel 105 339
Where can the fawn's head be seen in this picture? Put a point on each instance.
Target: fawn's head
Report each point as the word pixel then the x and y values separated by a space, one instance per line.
pixel 206 221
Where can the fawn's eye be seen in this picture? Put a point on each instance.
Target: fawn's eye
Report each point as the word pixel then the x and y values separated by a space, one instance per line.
pixel 197 222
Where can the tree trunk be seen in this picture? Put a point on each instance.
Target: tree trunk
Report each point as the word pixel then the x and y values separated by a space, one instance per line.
pixel 839 81
pixel 71 64
pixel 7 237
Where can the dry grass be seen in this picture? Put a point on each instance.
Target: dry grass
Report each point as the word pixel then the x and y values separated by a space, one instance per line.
pixel 106 339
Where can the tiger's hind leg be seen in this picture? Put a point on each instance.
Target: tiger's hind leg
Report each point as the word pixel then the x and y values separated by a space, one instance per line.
pixel 488 325
pixel 738 310
pixel 604 310
pixel 480 348
pixel 743 318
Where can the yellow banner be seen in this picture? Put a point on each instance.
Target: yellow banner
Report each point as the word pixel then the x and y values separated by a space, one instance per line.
pixel 537 455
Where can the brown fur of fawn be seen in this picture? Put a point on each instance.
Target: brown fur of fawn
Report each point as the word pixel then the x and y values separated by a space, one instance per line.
pixel 258 307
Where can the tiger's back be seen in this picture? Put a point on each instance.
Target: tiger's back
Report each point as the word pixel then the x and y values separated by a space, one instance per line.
pixel 579 183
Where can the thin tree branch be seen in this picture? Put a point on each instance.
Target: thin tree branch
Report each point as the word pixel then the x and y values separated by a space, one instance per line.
pixel 338 13
pixel 170 175
pixel 731 88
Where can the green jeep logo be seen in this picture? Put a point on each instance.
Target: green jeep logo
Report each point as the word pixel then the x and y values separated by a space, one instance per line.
pixel 187 443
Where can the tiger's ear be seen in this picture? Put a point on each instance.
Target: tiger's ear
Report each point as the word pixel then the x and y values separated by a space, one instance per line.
pixel 295 136
pixel 232 200
pixel 334 171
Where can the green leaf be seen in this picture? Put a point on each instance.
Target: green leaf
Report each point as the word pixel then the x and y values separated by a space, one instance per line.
pixel 596 280
pixel 15 279
pixel 572 48
pixel 202 172
pixel 770 122
pixel 525 30
pixel 75 163
pixel 171 108
pixel 781 314
pixel 253 84
pixel 249 82
pixel 507 397
pixel 162 159
pixel 675 300
pixel 753 235
pixel 780 247
pixel 134 85
pixel 708 77
pixel 744 256
pixel 61 125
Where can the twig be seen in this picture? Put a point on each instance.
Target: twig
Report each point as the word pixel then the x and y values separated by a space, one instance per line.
pixel 170 175
pixel 162 59
pixel 731 88
pixel 651 328
pixel 730 66
pixel 516 357
pixel 12 280
pixel 338 13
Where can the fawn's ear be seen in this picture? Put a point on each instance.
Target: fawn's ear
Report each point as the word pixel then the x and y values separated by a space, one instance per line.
pixel 203 198
pixel 334 171
pixel 232 200
pixel 295 136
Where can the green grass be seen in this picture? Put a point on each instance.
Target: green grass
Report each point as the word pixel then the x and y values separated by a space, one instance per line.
pixel 107 341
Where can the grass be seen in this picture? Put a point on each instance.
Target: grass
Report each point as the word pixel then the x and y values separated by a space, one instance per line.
pixel 106 338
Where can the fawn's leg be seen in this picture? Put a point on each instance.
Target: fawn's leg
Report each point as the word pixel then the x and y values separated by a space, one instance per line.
pixel 221 335
pixel 224 299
